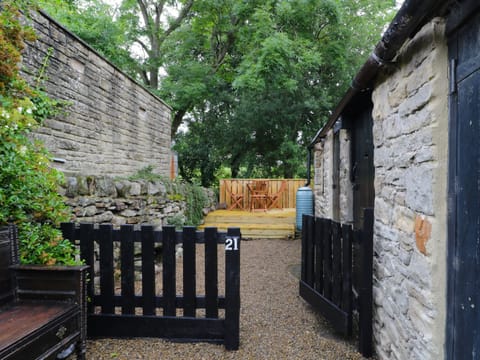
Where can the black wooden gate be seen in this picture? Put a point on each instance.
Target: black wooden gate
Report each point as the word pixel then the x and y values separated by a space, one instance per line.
pixel 336 275
pixel 117 308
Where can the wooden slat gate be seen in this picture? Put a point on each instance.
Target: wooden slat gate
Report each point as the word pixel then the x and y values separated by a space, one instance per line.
pixel 117 309
pixel 336 274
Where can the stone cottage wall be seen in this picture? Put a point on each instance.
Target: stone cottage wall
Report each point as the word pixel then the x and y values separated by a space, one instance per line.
pixel 410 130
pixel 324 187
pixel 410 137
pixel 113 126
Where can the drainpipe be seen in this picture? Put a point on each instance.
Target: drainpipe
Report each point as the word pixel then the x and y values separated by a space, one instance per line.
pixel 309 164
pixel 412 15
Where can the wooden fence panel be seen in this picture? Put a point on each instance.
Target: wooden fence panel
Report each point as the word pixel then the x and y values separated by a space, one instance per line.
pixel 326 273
pixel 239 187
pixel 114 308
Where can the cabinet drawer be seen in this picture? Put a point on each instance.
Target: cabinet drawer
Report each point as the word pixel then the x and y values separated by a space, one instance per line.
pixel 45 342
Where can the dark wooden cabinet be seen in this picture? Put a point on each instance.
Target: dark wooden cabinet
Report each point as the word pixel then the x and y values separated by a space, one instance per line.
pixel 42 308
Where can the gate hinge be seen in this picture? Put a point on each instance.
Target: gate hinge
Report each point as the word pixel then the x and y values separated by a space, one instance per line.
pixel 453 76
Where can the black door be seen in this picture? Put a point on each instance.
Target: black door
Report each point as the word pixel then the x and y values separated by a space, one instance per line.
pixel 463 319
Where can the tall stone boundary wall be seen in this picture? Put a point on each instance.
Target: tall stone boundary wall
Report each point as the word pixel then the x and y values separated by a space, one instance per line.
pixel 410 130
pixel 113 125
pixel 103 199
pixel 411 142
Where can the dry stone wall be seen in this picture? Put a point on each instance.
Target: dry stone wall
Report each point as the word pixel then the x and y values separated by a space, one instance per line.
pixel 113 125
pixel 103 199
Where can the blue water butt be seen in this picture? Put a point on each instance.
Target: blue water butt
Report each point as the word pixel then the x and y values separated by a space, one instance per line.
pixel 304 204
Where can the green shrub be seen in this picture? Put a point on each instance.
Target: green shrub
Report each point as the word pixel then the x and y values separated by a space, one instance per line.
pixel 194 195
pixel 196 202
pixel 44 244
pixel 28 185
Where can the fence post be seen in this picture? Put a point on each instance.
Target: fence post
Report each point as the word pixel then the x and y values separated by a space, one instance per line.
pixel 365 288
pixel 232 289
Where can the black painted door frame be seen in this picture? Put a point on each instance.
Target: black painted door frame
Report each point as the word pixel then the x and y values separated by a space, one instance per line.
pixel 362 172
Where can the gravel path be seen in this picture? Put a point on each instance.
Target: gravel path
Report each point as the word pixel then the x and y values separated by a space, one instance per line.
pixel 275 323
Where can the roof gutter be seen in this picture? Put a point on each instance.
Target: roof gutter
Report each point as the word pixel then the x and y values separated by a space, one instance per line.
pixel 412 15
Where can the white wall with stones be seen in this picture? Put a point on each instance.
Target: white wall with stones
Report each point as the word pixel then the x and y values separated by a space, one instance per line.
pixel 114 126
pixel 324 186
pixel 410 130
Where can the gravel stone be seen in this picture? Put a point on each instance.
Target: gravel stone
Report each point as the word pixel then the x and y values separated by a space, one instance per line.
pixel 275 322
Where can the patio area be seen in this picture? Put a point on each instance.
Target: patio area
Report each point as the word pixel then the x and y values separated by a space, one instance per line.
pixel 270 224
pixel 259 194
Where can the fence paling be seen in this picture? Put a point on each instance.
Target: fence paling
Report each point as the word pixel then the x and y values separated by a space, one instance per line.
pixel 106 270
pixel 169 272
pixel 127 269
pixel 189 271
pixel 115 316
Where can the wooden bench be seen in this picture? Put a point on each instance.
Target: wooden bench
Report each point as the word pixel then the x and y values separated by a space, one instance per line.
pixel 42 308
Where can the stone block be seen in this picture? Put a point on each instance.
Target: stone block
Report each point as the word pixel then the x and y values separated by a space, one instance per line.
pixel 416 101
pixel 103 218
pixel 135 189
pixel 89 211
pixel 421 321
pixel 71 187
pixel 419 189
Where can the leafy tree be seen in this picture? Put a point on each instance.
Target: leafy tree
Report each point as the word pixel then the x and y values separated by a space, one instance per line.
pixel 94 22
pixel 251 80
pixel 149 23
pixel 285 64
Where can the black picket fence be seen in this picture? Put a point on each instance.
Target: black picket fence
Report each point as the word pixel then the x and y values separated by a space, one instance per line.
pixel 117 309
pixel 336 274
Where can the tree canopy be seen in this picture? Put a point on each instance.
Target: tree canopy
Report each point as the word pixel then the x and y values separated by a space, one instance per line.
pixel 250 81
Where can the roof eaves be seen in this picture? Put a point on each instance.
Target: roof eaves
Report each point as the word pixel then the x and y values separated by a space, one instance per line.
pixel 410 18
